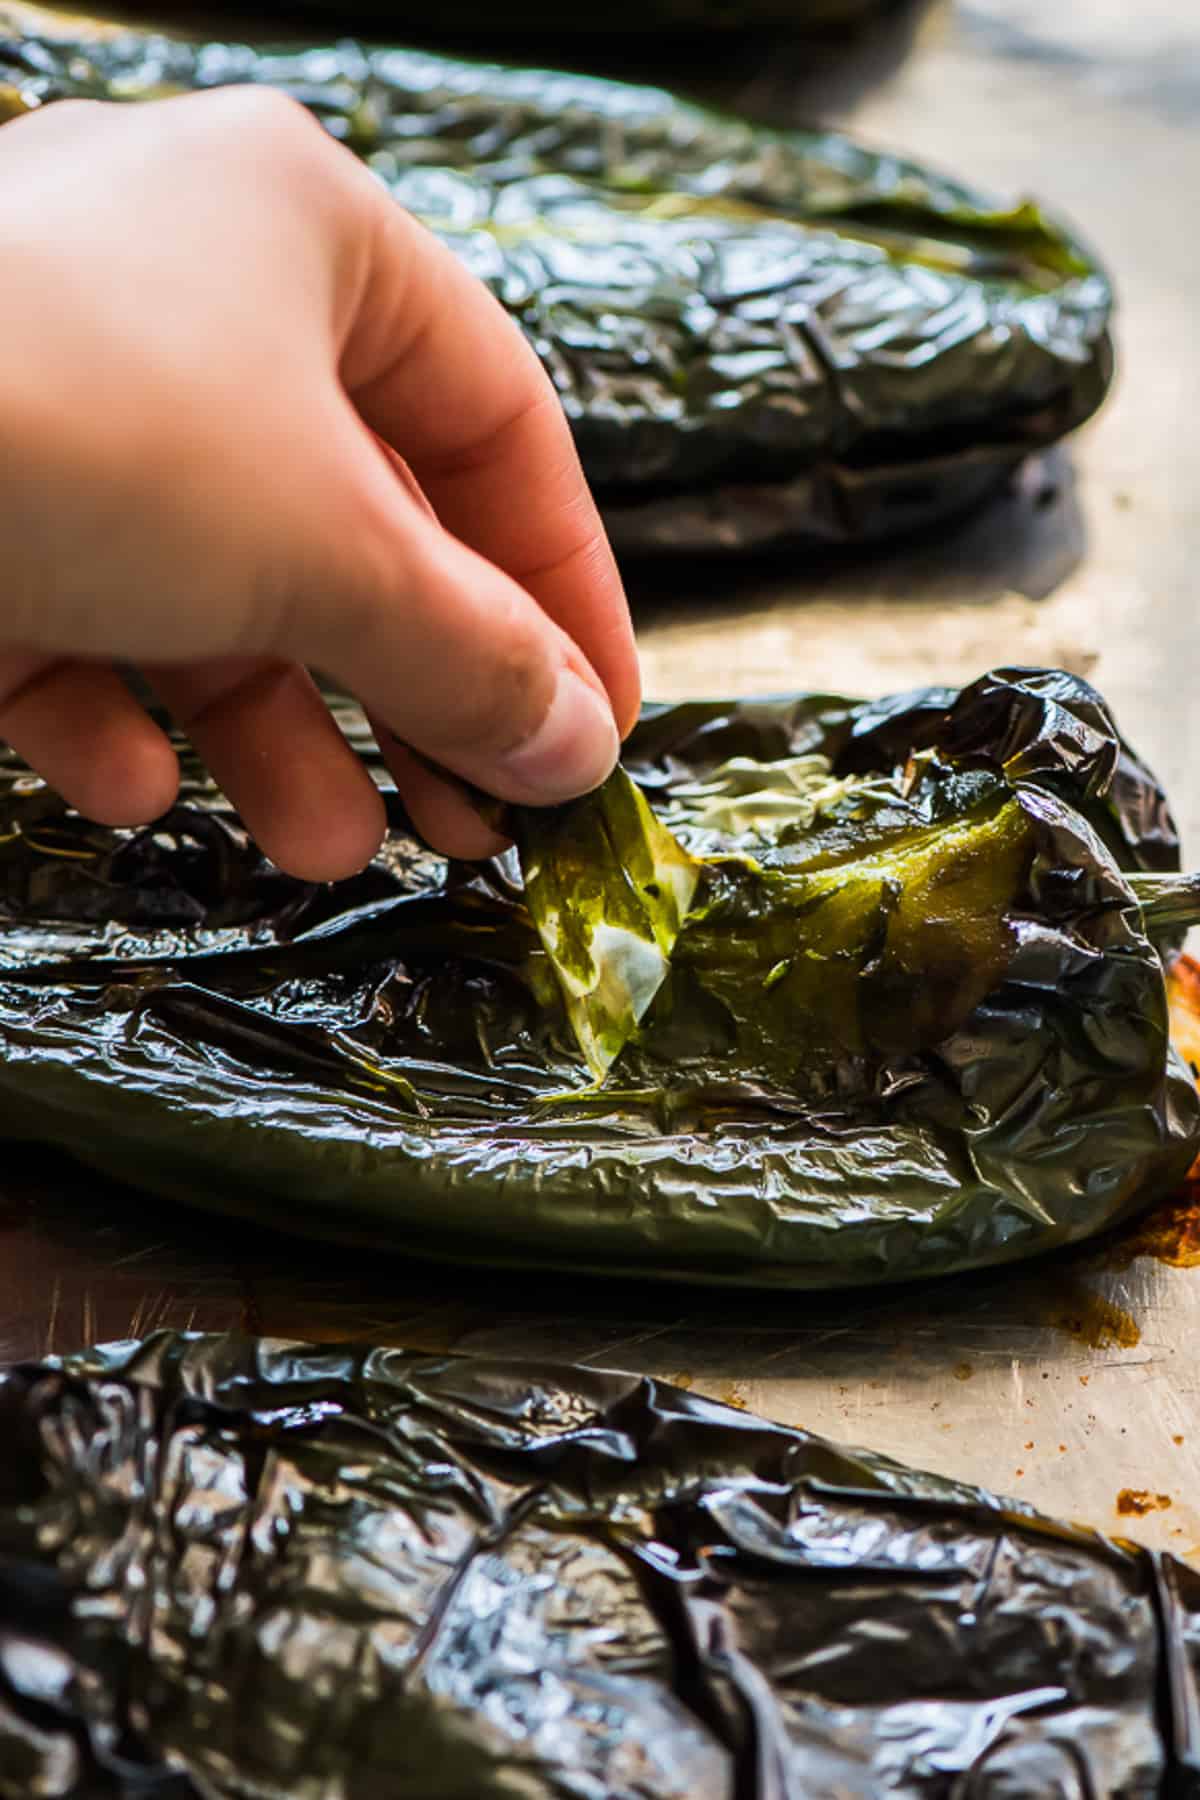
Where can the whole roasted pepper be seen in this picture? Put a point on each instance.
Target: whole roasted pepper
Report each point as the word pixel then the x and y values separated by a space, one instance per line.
pixel 234 1567
pixel 757 336
pixel 879 995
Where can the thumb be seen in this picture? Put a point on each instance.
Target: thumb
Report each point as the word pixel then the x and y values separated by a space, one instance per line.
pixel 448 652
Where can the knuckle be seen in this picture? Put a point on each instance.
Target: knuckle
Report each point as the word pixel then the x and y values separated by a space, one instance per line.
pixel 272 121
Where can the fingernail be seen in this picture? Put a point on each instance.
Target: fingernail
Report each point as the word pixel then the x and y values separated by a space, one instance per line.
pixel 572 751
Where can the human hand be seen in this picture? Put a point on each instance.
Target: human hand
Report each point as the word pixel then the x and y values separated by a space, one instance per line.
pixel 218 335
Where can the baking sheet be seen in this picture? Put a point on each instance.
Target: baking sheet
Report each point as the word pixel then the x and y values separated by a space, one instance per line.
pixel 1071 1382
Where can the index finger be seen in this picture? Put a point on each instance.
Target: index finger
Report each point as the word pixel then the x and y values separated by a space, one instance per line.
pixel 437 368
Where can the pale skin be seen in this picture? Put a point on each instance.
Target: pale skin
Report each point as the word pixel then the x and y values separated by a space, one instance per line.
pixel 255 420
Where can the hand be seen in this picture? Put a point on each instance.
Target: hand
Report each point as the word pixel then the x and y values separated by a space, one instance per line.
pixel 218 338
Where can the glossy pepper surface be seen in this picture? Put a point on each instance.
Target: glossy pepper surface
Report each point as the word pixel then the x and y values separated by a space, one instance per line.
pixel 758 336
pixel 914 1018
pixel 235 1567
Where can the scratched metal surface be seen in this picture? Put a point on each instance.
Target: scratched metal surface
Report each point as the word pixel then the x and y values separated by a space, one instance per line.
pixel 1068 1381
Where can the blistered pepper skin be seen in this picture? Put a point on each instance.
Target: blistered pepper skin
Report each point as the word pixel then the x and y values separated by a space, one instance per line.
pixel 387 1061
pixel 231 1566
pixel 759 338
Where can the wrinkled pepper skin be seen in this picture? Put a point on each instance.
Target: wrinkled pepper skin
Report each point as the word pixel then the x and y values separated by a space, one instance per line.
pixel 234 1567
pixel 759 337
pixel 387 1061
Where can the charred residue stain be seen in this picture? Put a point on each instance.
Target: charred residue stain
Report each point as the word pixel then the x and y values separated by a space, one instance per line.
pixel 963 1371
pixel 684 1380
pixel 1170 1234
pixel 1095 1321
pixel 1183 999
pixel 1140 1501
pixel 1178 1438
pixel 732 1395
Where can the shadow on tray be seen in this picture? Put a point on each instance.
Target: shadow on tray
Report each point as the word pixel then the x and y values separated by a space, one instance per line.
pixel 1027 540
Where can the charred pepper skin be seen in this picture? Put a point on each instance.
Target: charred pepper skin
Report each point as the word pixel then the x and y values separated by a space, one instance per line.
pixel 760 338
pixel 388 1062
pixel 343 1573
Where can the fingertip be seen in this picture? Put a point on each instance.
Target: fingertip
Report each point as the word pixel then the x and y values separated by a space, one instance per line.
pixel 603 626
pixel 131 777
pixel 626 698
pixel 272 746
pixel 615 678
pixel 335 847
pixel 441 815
pixel 454 835
pixel 80 727
pixel 572 751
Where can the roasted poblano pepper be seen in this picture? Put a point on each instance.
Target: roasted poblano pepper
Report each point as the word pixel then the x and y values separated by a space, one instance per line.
pixel 878 996
pixel 757 336
pixel 232 1567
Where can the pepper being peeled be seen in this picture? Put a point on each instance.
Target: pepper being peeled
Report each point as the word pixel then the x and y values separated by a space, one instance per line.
pixel 238 1567
pixel 757 336
pixel 952 1050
